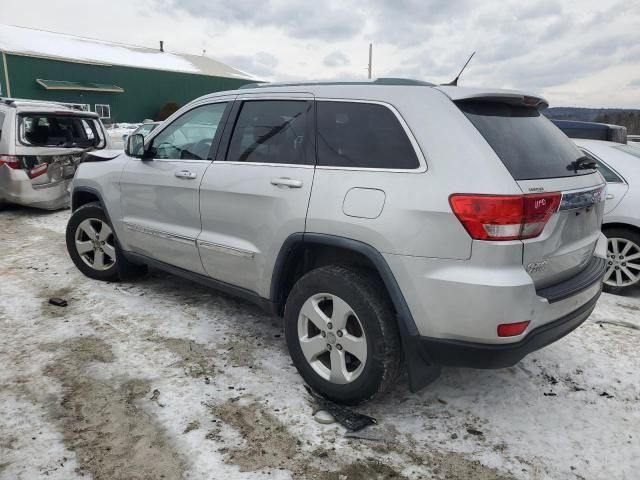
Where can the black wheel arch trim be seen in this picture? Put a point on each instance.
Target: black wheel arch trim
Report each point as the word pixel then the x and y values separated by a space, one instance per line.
pixel 98 195
pixel 92 191
pixel 421 371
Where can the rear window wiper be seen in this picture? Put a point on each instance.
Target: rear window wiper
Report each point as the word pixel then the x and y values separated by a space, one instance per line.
pixel 582 163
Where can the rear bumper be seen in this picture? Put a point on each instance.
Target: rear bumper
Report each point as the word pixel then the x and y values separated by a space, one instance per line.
pixel 457 353
pixel 16 188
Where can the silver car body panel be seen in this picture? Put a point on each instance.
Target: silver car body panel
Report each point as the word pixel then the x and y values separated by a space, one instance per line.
pixel 248 211
pixel 232 225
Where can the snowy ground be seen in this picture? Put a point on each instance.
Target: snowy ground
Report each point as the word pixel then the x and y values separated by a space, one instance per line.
pixel 163 378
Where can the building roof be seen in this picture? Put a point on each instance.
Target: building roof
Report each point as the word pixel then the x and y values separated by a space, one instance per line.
pixel 59 46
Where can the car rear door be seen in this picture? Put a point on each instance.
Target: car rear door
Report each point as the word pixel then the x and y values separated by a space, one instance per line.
pixel 543 160
pixel 160 196
pixel 257 191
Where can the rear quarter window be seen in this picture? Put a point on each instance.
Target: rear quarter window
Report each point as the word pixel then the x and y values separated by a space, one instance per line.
pixel 362 135
pixel 529 145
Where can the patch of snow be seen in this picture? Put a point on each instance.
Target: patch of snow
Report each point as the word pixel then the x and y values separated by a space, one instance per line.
pixel 568 411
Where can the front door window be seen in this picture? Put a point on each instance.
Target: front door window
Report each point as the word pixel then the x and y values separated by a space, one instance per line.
pixel 190 136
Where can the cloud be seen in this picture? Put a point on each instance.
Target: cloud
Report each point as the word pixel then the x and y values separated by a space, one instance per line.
pixel 261 65
pixel 336 59
pixel 302 20
pixel 576 52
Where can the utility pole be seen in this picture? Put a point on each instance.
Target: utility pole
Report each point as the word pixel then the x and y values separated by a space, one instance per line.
pixel 370 58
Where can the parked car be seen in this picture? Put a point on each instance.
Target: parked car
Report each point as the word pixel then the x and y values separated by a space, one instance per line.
pixel 620 166
pixel 390 223
pixel 633 139
pixel 592 130
pixel 144 129
pixel 41 144
pixel 118 133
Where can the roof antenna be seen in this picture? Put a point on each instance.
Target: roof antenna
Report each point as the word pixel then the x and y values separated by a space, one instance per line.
pixel 454 82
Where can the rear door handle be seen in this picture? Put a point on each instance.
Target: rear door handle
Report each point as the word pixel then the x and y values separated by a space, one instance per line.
pixel 286 182
pixel 186 174
pixel 610 196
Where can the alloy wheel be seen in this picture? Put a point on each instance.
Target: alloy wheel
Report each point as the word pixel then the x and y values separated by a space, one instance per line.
pixel 332 338
pixel 623 263
pixel 95 243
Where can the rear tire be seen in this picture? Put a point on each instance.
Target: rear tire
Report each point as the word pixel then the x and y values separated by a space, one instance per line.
pixel 334 305
pixel 623 252
pixel 93 246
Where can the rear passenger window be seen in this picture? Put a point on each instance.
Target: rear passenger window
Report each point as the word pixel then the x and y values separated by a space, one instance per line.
pixel 272 131
pixel 362 135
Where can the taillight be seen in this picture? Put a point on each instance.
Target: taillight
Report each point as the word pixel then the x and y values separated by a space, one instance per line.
pixel 38 170
pixel 512 329
pixel 504 217
pixel 10 161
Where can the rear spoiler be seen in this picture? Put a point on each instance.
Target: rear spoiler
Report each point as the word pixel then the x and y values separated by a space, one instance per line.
pixel 512 97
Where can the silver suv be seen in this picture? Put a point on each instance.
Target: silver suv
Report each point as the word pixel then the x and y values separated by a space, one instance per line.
pixel 41 144
pixel 393 223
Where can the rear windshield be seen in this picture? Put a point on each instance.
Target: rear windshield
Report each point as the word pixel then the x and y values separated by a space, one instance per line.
pixel 529 145
pixel 65 131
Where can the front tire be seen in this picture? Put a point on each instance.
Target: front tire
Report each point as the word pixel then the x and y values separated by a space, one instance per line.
pixel 623 260
pixel 341 334
pixel 93 246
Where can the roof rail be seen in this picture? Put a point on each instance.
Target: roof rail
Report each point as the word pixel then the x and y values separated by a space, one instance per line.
pixel 402 81
pixel 377 81
pixel 14 102
pixel 7 101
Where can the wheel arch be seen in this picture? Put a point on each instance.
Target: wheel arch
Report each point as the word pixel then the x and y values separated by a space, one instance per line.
pixel 626 226
pixel 82 195
pixel 302 252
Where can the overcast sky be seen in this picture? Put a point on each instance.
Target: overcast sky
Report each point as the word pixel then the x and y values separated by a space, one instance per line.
pixel 576 53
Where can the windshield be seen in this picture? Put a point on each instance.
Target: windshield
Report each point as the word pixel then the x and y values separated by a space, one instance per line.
pixel 529 145
pixel 60 130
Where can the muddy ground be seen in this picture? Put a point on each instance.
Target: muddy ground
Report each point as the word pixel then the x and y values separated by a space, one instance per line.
pixel 162 378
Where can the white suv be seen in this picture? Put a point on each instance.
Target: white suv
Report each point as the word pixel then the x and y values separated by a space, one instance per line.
pixel 391 222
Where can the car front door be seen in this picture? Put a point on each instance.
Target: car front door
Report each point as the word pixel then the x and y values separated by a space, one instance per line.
pixel 256 192
pixel 160 196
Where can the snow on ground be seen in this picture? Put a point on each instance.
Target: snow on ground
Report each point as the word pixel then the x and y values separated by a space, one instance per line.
pixel 165 377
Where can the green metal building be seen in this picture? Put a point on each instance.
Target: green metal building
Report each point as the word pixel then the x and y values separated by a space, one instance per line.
pixel 123 83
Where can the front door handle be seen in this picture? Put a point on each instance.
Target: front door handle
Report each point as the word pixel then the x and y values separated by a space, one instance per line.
pixel 186 174
pixel 286 182
pixel 610 196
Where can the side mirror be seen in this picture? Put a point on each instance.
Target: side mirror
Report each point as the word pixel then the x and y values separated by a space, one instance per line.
pixel 135 146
